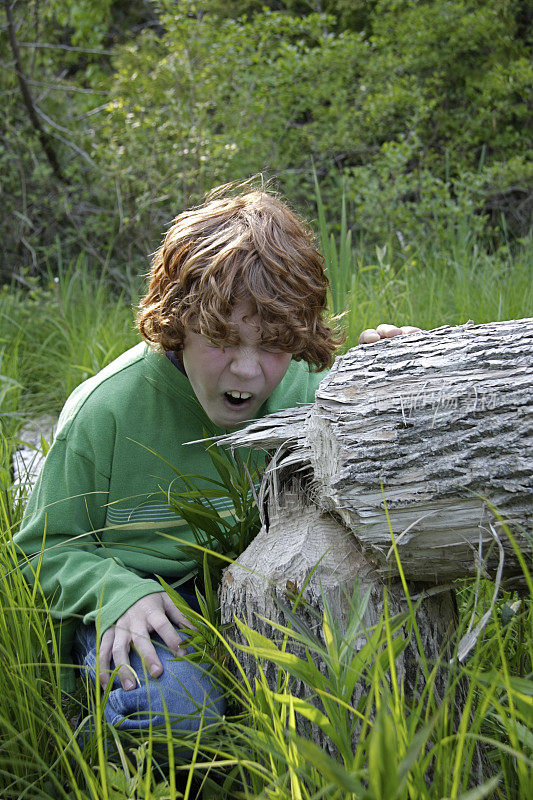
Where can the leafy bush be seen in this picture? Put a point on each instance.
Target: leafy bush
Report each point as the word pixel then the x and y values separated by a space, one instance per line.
pixel 419 110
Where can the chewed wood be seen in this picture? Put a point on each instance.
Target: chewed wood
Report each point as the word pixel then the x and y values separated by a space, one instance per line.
pixel 439 426
pixel 304 550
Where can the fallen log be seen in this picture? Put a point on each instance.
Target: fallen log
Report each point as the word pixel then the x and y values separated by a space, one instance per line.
pixel 418 451
pixel 435 426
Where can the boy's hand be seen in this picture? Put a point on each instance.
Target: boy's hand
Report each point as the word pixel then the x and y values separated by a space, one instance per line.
pixel 155 613
pixel 384 332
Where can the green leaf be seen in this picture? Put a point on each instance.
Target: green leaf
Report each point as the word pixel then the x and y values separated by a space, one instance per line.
pixel 261 647
pixel 310 712
pixel 328 636
pixel 45 447
pixel 479 792
pixel 383 757
pixel 417 744
pixel 328 767
pixel 522 732
pixel 522 686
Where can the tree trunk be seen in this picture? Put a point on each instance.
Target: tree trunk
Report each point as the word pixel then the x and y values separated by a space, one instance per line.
pixel 304 547
pixel 431 427
pixel 434 428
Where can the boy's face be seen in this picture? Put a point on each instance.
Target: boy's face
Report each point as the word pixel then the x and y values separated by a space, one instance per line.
pixel 232 382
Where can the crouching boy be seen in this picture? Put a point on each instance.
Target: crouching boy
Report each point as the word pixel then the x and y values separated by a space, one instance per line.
pixel 233 328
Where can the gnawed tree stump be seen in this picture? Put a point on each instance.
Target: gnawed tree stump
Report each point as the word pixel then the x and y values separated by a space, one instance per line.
pixel 437 426
pixel 283 559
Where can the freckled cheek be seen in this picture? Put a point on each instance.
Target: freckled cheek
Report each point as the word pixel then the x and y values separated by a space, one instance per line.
pixel 277 365
pixel 213 362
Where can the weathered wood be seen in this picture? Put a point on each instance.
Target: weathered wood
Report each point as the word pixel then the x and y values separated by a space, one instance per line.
pixel 305 547
pixel 429 427
pixel 439 426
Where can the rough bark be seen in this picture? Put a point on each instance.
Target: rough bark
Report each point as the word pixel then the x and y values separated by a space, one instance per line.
pixel 304 547
pixel 431 427
pixel 437 427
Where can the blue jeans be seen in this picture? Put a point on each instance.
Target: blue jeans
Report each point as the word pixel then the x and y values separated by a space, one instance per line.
pixel 184 690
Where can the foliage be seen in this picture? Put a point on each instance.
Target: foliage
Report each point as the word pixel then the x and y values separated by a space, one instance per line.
pixel 221 535
pixel 426 282
pixel 427 287
pixel 418 110
pixel 232 98
pixel 453 112
pixel 55 334
pixel 87 19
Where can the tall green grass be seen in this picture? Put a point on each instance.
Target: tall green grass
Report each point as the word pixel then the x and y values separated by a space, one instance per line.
pixel 473 742
pixel 54 335
pixel 428 288
pixel 444 282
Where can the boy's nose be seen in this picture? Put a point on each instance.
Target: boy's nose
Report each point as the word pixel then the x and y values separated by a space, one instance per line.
pixel 245 363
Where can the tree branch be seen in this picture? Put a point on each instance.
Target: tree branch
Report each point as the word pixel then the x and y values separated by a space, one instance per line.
pixel 44 138
pixel 69 47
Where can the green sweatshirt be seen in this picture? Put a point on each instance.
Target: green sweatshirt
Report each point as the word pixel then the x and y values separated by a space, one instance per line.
pixel 96 507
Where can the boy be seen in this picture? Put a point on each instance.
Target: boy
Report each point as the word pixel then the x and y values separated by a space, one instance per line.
pixel 233 328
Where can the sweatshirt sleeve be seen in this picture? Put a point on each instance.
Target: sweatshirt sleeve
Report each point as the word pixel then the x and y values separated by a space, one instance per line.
pixel 60 536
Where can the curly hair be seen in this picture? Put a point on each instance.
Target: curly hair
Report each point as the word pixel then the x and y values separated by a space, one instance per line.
pixel 244 247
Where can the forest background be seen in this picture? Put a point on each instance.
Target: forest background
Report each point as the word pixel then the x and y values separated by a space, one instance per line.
pixel 117 115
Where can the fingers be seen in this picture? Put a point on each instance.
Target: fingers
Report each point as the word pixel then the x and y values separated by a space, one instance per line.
pixel 153 613
pixel 369 336
pixel 113 643
pixel 146 650
pixel 104 658
pixel 174 614
pixel 388 331
pixel 122 642
pixel 385 331
pixel 160 623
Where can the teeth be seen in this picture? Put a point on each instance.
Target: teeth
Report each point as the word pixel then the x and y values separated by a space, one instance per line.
pixel 239 395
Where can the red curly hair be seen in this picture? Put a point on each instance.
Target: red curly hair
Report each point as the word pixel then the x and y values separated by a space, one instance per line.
pixel 239 247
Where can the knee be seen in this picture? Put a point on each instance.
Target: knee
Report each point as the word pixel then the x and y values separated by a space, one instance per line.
pixel 185 695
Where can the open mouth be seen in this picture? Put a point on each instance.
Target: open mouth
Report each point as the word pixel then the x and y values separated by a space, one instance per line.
pixel 237 398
